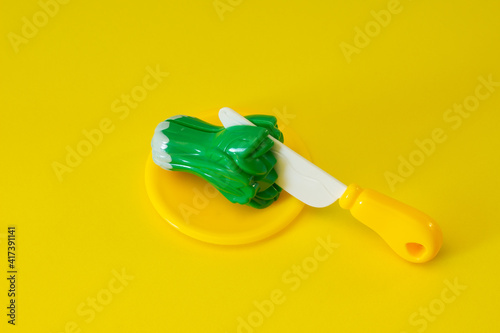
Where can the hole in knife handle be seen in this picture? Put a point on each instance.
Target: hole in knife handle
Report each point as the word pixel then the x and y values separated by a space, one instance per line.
pixel 416 250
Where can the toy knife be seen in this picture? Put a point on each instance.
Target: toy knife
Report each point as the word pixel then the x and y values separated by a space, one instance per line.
pixel 412 234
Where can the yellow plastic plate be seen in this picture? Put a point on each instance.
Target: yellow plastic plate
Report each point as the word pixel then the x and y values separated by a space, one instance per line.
pixel 196 208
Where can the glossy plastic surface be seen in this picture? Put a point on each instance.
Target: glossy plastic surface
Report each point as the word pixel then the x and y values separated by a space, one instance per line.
pixel 410 233
pixel 236 161
pixel 297 175
pixel 197 209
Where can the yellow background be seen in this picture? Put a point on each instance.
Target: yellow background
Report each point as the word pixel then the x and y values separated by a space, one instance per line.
pixel 272 57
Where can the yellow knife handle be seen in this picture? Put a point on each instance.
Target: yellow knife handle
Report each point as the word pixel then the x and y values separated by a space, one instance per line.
pixel 410 233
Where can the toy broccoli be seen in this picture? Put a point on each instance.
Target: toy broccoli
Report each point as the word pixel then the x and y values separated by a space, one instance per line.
pixel 235 160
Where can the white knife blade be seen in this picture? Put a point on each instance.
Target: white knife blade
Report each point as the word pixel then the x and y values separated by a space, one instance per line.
pixel 296 175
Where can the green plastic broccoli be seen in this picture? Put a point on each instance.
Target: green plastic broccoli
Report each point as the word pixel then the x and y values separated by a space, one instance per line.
pixel 235 160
